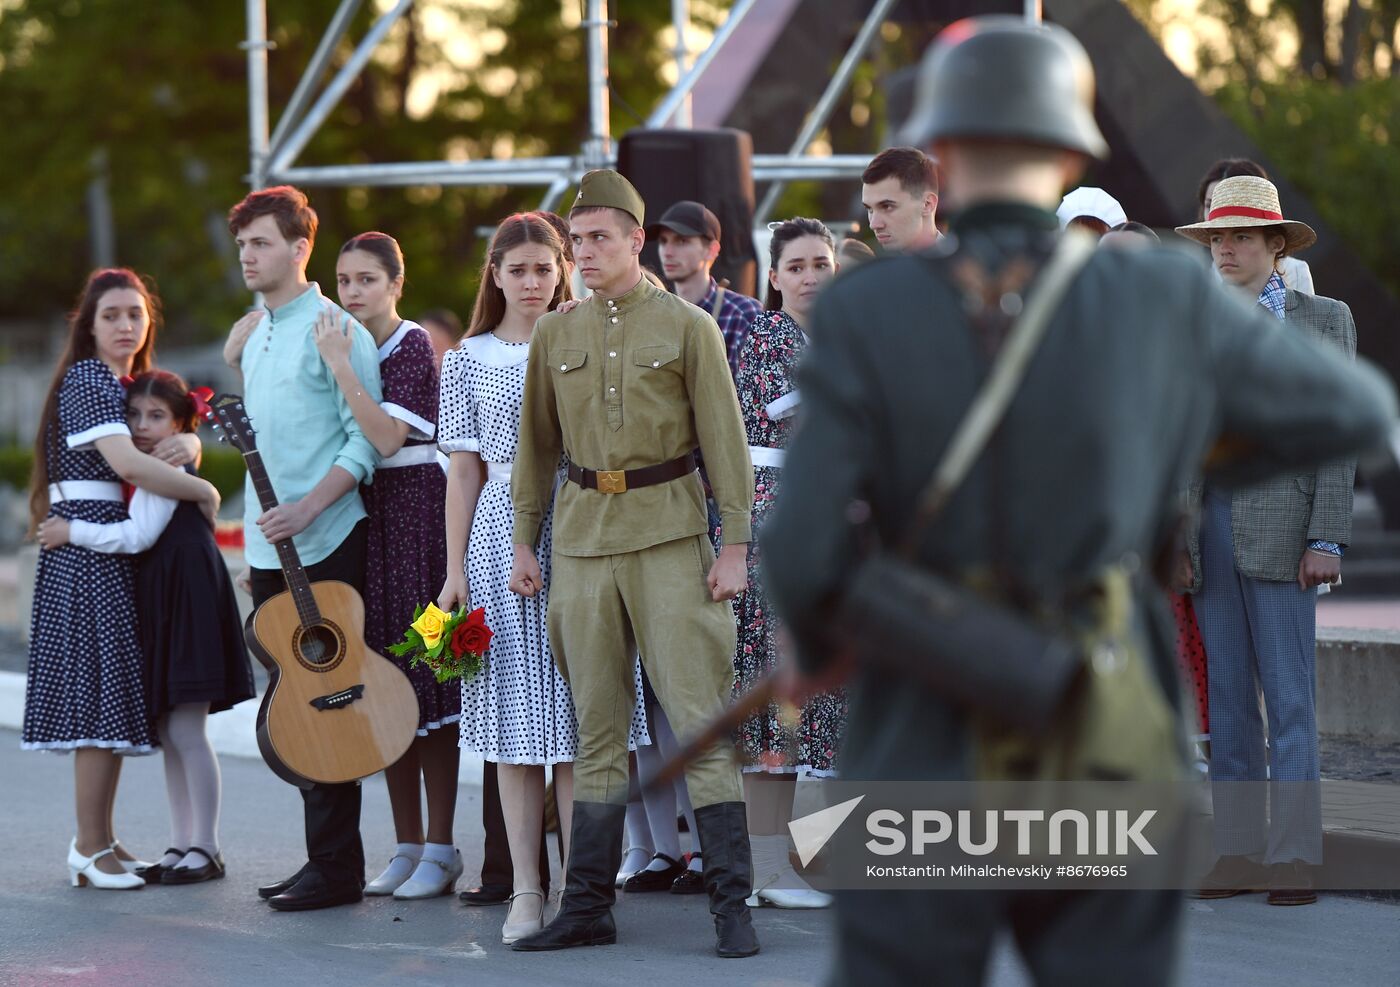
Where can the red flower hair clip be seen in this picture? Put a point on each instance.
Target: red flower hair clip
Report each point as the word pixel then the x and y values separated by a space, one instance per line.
pixel 200 396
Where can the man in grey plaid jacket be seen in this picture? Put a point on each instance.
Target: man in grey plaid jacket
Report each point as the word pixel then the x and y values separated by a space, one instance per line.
pixel 1258 556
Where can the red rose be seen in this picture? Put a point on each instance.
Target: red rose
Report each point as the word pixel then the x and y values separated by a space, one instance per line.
pixel 472 635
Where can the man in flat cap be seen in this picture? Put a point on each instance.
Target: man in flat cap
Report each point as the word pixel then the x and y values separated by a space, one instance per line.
pixel 687 239
pixel 627 386
pixel 1077 489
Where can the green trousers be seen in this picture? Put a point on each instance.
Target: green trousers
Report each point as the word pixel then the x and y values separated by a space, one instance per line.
pixel 604 610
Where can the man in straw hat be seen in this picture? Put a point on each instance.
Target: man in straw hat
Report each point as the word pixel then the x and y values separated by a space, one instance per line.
pixel 627 385
pixel 1080 479
pixel 1258 555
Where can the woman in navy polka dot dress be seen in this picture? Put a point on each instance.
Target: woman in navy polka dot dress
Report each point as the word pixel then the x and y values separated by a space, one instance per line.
pixel 518 711
pixel 406 550
pixel 85 691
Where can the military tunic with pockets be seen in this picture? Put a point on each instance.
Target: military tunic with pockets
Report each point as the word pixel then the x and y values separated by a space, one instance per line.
pixel 620 384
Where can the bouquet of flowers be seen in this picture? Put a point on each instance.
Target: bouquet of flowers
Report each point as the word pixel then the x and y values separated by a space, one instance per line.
pixel 453 644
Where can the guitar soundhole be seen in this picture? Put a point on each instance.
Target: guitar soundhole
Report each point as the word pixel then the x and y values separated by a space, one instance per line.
pixel 320 648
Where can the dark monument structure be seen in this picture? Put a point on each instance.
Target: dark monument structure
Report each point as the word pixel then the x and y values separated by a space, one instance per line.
pixel 1164 133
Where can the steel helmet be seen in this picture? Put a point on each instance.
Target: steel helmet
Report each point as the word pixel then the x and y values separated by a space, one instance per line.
pixel 1003 78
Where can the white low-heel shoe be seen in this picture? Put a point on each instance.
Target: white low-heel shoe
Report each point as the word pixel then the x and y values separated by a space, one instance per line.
pixel 83 870
pixel 387 882
pixel 512 931
pixel 130 866
pixel 431 878
pixel 790 898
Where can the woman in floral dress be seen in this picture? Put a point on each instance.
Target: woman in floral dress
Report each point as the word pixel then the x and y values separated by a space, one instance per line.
pixel 803 261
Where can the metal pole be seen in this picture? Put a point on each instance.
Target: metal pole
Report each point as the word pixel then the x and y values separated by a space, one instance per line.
pixel 680 19
pixel 782 168
pixel 822 112
pixel 102 232
pixel 526 171
pixel 256 46
pixel 315 68
pixel 598 147
pixel 552 194
pixel 298 139
pixel 668 106
pixel 1033 13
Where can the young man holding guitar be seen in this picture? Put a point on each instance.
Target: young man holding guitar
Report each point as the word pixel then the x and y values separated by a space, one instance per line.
pixel 315 456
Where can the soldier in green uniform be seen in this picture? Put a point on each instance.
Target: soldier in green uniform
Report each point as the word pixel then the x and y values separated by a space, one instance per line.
pixel 1144 367
pixel 627 386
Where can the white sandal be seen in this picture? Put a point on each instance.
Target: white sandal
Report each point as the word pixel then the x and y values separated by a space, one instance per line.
pixel 512 931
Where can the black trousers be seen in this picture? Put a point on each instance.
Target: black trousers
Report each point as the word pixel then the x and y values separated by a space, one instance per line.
pixel 332 812
pixel 496 866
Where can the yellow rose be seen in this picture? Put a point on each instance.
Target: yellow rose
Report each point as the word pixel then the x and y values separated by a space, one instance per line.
pixel 429 625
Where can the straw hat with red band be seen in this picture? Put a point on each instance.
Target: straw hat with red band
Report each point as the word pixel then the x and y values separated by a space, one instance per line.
pixel 1247 201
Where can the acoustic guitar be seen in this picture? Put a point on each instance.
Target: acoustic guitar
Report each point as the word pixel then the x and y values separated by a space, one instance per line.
pixel 334 710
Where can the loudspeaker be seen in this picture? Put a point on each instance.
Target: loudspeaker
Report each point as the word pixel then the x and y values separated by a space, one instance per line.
pixel 713 167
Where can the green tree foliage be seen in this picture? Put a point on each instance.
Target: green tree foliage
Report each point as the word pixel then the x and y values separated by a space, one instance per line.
pixel 1336 144
pixel 161 90
pixel 1316 86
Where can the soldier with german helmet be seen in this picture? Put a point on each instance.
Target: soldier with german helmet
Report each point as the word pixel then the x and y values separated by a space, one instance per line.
pixel 1143 366
pixel 627 387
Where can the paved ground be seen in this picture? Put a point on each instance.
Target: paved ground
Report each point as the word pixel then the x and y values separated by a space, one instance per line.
pixel 219 935
pixel 1341 611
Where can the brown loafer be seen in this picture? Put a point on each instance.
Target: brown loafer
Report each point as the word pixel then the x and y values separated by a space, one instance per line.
pixel 1291 884
pixel 1230 876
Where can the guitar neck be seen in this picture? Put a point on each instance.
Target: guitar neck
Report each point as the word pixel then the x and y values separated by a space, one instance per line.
pixel 292 569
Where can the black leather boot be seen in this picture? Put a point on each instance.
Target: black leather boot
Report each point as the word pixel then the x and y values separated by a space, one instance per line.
pixel 595 854
pixel 724 843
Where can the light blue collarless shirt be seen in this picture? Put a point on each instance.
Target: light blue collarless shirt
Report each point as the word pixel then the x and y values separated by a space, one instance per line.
pixel 303 423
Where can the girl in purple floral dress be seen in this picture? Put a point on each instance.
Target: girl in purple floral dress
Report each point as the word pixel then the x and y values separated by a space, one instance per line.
pixel 802 256
pixel 407 552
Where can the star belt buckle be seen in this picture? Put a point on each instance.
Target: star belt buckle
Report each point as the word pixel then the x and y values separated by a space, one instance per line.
pixel 612 481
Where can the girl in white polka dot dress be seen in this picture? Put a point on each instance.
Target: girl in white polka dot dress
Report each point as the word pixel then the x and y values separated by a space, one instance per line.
pixel 85 690
pixel 518 711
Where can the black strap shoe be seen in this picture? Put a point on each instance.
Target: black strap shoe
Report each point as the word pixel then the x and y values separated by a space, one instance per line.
pixel 655 880
pixel 211 870
pixel 487 894
pixel 585 916
pixel 314 891
pixel 151 873
pixel 272 890
pixel 691 881
pixel 728 875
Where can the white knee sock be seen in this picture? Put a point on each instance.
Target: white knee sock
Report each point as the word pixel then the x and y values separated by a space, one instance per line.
pixel 178 795
pixel 669 747
pixel 184 731
pixel 660 803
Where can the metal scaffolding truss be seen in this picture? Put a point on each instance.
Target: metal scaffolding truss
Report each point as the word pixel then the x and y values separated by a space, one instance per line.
pixel 273 158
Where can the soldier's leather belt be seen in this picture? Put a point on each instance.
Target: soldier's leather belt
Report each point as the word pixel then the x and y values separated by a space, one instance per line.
pixel 619 481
